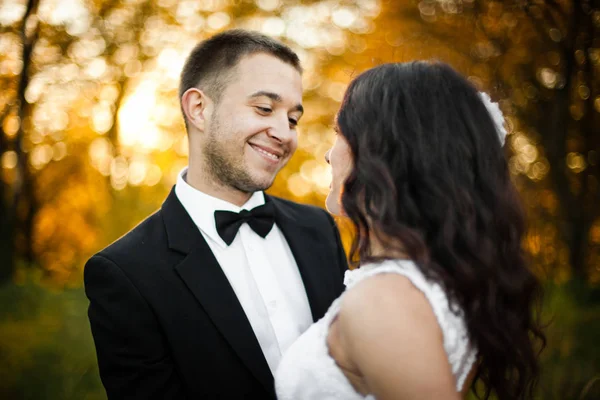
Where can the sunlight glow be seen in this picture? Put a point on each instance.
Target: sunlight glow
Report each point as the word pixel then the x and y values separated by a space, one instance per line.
pixel 212 5
pixel 59 151
pixel 132 68
pixel 11 125
pixel 137 126
pixel 336 91
pixel 100 152
pixel 171 61
pixel 137 172
pixel 218 20
pixel 316 175
pixel 186 9
pixel 96 68
pixel 576 162
pixel 102 117
pixel 35 88
pixel 10 12
pixel 273 26
pixel 370 8
pixel 539 170
pixel 72 13
pixel 153 175
pixel 343 17
pixel 526 155
pixel 181 146
pixel 548 77
pixel 268 5
pixel 298 186
pixel 9 160
pixel 119 173
pixel 41 155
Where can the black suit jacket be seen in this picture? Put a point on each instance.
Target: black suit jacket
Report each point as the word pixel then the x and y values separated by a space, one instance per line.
pixel 168 325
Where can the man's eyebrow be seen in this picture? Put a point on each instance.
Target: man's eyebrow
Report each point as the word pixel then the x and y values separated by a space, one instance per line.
pixel 271 95
pixel 275 97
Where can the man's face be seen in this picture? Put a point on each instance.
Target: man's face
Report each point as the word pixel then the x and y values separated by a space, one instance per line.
pixel 251 134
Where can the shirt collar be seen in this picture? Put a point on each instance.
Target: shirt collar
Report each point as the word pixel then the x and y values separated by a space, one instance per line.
pixel 201 207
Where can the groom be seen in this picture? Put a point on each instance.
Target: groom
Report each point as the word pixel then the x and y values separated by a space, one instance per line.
pixel 201 299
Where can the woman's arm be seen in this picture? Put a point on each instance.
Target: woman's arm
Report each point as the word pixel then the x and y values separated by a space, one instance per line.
pixel 389 333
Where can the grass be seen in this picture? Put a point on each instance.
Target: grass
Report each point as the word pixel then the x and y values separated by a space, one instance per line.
pixel 46 349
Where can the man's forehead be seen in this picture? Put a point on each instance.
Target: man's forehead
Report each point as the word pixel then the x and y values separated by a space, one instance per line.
pixel 287 86
pixel 267 68
pixel 265 73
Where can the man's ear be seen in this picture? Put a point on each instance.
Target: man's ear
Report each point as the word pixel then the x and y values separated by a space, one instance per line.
pixel 194 104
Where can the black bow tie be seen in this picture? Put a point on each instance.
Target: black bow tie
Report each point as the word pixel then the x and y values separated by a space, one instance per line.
pixel 260 219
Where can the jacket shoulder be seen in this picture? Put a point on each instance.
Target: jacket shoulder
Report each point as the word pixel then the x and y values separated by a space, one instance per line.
pixel 302 210
pixel 145 239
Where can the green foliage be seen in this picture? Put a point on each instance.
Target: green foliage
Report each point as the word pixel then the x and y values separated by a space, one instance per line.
pixel 47 352
pixel 46 348
pixel 572 359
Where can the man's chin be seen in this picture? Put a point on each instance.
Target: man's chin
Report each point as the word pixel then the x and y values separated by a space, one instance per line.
pixel 257 185
pixel 265 185
pixel 264 178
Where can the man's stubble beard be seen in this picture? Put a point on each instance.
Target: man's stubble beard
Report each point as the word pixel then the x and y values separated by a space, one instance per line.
pixel 225 169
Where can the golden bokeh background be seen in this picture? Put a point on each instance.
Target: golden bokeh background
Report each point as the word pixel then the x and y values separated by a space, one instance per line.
pixel 91 141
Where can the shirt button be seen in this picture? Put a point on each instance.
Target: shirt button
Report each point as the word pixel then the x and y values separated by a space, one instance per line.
pixel 272 305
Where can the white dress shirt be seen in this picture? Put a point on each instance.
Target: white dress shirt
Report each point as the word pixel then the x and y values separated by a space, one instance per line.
pixel 262 271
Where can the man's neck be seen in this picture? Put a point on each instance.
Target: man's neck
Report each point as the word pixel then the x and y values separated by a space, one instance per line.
pixel 202 182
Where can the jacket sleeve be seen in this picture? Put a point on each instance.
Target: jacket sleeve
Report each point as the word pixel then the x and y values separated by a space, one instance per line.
pixel 342 260
pixel 133 357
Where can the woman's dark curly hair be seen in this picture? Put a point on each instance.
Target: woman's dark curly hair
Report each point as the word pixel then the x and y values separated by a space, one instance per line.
pixel 430 180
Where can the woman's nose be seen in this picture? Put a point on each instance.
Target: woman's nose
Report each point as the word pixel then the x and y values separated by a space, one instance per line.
pixel 327 156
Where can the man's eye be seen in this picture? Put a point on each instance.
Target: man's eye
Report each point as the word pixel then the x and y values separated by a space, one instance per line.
pixel 264 110
pixel 293 122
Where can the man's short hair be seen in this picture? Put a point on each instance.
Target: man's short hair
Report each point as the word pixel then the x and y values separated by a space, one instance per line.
pixel 211 64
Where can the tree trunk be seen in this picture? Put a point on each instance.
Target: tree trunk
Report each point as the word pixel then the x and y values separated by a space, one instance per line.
pixel 23 190
pixel 554 130
pixel 7 259
pixel 590 193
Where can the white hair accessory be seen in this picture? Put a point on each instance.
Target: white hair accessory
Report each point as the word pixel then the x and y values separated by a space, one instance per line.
pixel 496 115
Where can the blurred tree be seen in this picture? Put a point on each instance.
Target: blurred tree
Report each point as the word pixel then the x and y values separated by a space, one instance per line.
pixel 17 200
pixel 122 46
pixel 542 59
pixel 91 101
pixel 99 91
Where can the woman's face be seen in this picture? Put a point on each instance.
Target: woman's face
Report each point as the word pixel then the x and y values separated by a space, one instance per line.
pixel 340 159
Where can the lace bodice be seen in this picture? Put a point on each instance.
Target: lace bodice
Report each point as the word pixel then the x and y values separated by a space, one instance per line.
pixel 308 372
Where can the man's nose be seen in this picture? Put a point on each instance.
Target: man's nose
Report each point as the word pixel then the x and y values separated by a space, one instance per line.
pixel 327 156
pixel 280 130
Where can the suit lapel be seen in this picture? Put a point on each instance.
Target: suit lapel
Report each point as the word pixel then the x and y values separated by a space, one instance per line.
pixel 204 277
pixel 304 241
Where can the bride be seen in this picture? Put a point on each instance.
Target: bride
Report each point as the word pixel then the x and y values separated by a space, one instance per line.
pixel 441 298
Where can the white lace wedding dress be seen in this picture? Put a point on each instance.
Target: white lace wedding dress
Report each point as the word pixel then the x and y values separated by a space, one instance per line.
pixel 307 371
